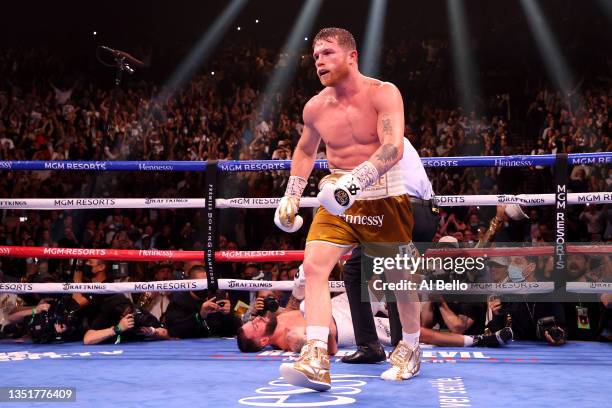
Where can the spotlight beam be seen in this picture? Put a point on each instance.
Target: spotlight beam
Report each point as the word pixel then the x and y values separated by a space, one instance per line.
pixel 374 38
pixel 553 59
pixel 284 73
pixel 607 6
pixel 465 72
pixel 203 49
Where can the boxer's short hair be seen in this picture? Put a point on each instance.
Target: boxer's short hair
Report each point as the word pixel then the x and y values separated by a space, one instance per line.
pixel 245 344
pixel 344 37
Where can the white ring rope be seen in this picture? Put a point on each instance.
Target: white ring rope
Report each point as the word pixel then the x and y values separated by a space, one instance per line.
pixel 255 285
pixel 98 203
pixel 272 202
pixel 589 287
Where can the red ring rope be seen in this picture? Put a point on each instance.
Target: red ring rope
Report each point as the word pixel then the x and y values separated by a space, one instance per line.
pixel 264 256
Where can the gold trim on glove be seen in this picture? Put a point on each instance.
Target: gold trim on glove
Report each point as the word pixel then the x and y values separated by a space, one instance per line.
pixel 287 210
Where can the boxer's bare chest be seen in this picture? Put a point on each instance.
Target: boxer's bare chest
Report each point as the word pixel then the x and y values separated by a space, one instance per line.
pixel 347 124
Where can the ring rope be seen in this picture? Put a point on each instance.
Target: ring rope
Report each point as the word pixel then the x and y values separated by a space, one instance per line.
pixel 247 285
pixel 272 202
pixel 255 285
pixel 262 165
pixel 266 255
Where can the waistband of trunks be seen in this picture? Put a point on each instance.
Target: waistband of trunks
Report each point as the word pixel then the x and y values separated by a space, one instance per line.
pixel 389 184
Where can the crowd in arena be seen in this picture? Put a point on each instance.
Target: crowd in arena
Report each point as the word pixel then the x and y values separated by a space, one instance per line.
pixel 221 113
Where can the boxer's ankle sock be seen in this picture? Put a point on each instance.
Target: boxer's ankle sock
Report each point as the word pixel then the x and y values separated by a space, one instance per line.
pixel 468 341
pixel 412 339
pixel 319 334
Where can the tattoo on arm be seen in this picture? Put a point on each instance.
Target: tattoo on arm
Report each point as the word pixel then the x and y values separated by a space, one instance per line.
pixel 386 123
pixel 385 158
pixel 387 153
pixel 293 304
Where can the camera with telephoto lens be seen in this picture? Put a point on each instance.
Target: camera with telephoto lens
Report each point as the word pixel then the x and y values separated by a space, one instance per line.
pixel 62 311
pixel 143 319
pixel 270 304
pixel 549 324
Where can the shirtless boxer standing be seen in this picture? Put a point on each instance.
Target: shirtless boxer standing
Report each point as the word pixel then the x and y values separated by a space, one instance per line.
pixel 361 121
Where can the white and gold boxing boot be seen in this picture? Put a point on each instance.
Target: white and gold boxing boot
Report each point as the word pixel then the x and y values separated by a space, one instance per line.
pixel 311 370
pixel 405 363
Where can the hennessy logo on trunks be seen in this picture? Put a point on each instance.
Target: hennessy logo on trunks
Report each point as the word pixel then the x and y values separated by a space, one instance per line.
pixel 341 197
pixel 371 220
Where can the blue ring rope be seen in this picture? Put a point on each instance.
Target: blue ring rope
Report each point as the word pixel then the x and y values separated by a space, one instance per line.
pixel 262 165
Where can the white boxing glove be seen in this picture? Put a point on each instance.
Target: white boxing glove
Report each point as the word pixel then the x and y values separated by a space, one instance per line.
pixel 515 212
pixel 339 196
pixel 299 284
pixel 285 216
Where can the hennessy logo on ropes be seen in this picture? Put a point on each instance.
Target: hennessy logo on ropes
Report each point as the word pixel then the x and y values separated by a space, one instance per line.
pixel 508 162
pixel 154 252
pixel 153 167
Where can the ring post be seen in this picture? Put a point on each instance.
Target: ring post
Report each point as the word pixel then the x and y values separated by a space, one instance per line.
pixel 560 255
pixel 211 226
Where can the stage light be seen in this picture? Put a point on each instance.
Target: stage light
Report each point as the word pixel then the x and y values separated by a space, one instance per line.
pixel 95 33
pixel 370 60
pixel 607 6
pixel 305 38
pixel 212 73
pixel 463 63
pixel 238 28
pixel 554 62
pixel 203 49
pixel 283 73
pixel 256 21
